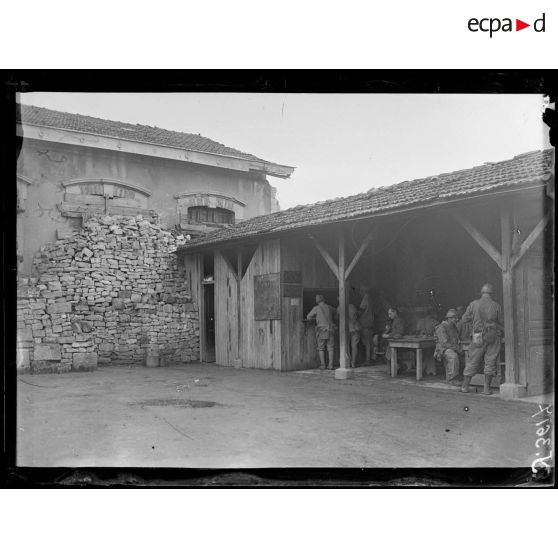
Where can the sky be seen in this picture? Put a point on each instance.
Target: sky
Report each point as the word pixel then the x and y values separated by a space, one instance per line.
pixel 340 144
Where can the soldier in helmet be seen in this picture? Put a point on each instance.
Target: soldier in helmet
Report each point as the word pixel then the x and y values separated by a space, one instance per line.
pixel 448 347
pixel 323 314
pixel 485 314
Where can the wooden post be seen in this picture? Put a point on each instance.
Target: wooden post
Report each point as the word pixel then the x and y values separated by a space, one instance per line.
pixel 511 388
pixel 344 371
pixel 505 260
pixel 198 259
pixel 238 360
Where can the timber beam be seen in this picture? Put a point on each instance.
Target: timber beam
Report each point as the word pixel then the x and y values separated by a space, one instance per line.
pixel 480 239
pixel 496 256
pixel 228 262
pixel 528 242
pixel 328 259
pixel 357 256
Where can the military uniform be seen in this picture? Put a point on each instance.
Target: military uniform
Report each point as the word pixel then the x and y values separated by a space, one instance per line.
pixel 322 313
pixel 396 328
pixel 465 330
pixel 487 325
pixel 448 348
pixel 366 321
pixel 354 332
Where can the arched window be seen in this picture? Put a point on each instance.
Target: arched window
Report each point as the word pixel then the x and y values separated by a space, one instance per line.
pixel 210 215
pixel 104 196
pixel 200 212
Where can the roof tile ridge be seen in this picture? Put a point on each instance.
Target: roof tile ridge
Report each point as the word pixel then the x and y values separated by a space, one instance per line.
pixel 82 115
pixel 138 125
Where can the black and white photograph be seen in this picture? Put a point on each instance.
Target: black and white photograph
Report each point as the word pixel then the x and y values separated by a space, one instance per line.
pixel 285 280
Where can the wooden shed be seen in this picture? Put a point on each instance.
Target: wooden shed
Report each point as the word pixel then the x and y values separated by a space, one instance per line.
pixel 433 240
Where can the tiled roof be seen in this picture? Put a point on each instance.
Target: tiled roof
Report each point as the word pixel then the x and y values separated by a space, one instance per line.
pixel 490 177
pixel 39 116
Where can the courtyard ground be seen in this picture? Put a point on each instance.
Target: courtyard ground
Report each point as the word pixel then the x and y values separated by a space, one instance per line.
pixel 201 415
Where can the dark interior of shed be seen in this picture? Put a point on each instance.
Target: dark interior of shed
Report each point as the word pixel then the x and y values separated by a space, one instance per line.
pixel 417 262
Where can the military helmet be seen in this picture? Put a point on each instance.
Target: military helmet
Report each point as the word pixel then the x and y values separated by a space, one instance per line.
pixel 451 313
pixel 487 288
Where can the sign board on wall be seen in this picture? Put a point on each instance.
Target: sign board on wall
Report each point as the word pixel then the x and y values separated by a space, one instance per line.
pixel 291 277
pixel 291 291
pixel 267 296
pixel 270 288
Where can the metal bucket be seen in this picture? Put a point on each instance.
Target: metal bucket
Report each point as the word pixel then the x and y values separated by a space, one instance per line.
pixel 152 359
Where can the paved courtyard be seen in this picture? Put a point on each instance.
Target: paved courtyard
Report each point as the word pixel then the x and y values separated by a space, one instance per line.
pixel 201 415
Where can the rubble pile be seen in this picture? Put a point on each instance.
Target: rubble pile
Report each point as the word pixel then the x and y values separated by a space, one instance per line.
pixel 111 293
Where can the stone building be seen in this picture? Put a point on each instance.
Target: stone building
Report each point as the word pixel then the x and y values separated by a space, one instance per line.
pixel 71 166
pixel 101 208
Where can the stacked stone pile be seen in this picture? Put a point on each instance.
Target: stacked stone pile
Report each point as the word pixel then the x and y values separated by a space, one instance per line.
pixel 112 293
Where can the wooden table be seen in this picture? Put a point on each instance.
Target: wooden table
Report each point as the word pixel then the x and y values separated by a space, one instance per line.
pixel 418 344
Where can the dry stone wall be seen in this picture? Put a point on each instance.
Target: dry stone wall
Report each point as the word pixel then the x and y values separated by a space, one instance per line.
pixel 112 293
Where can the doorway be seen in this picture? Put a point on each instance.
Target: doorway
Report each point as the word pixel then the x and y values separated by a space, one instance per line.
pixel 209 321
pixel 207 309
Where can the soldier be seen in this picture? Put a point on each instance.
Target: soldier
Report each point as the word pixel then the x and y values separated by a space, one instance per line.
pixel 487 327
pixel 354 331
pixel 323 314
pixel 448 347
pixel 366 322
pixel 464 330
pixel 394 329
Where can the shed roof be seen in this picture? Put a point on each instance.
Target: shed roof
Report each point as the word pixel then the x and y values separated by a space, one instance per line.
pixel 532 167
pixel 40 116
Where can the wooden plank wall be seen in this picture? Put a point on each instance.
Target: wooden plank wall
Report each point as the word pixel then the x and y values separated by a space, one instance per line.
pixel 261 340
pixel 192 264
pixel 226 312
pixel 534 324
pixel 299 351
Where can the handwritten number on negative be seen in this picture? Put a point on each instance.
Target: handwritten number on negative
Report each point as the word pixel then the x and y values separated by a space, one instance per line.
pixel 544 442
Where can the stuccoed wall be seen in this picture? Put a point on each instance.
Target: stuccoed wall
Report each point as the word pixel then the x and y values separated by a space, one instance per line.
pixel 112 293
pixel 46 166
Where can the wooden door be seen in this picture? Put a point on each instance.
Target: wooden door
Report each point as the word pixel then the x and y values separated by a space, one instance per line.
pixel 535 324
pixel 208 322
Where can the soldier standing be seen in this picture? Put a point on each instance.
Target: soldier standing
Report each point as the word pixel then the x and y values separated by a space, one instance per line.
pixel 323 314
pixel 487 327
pixel 366 321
